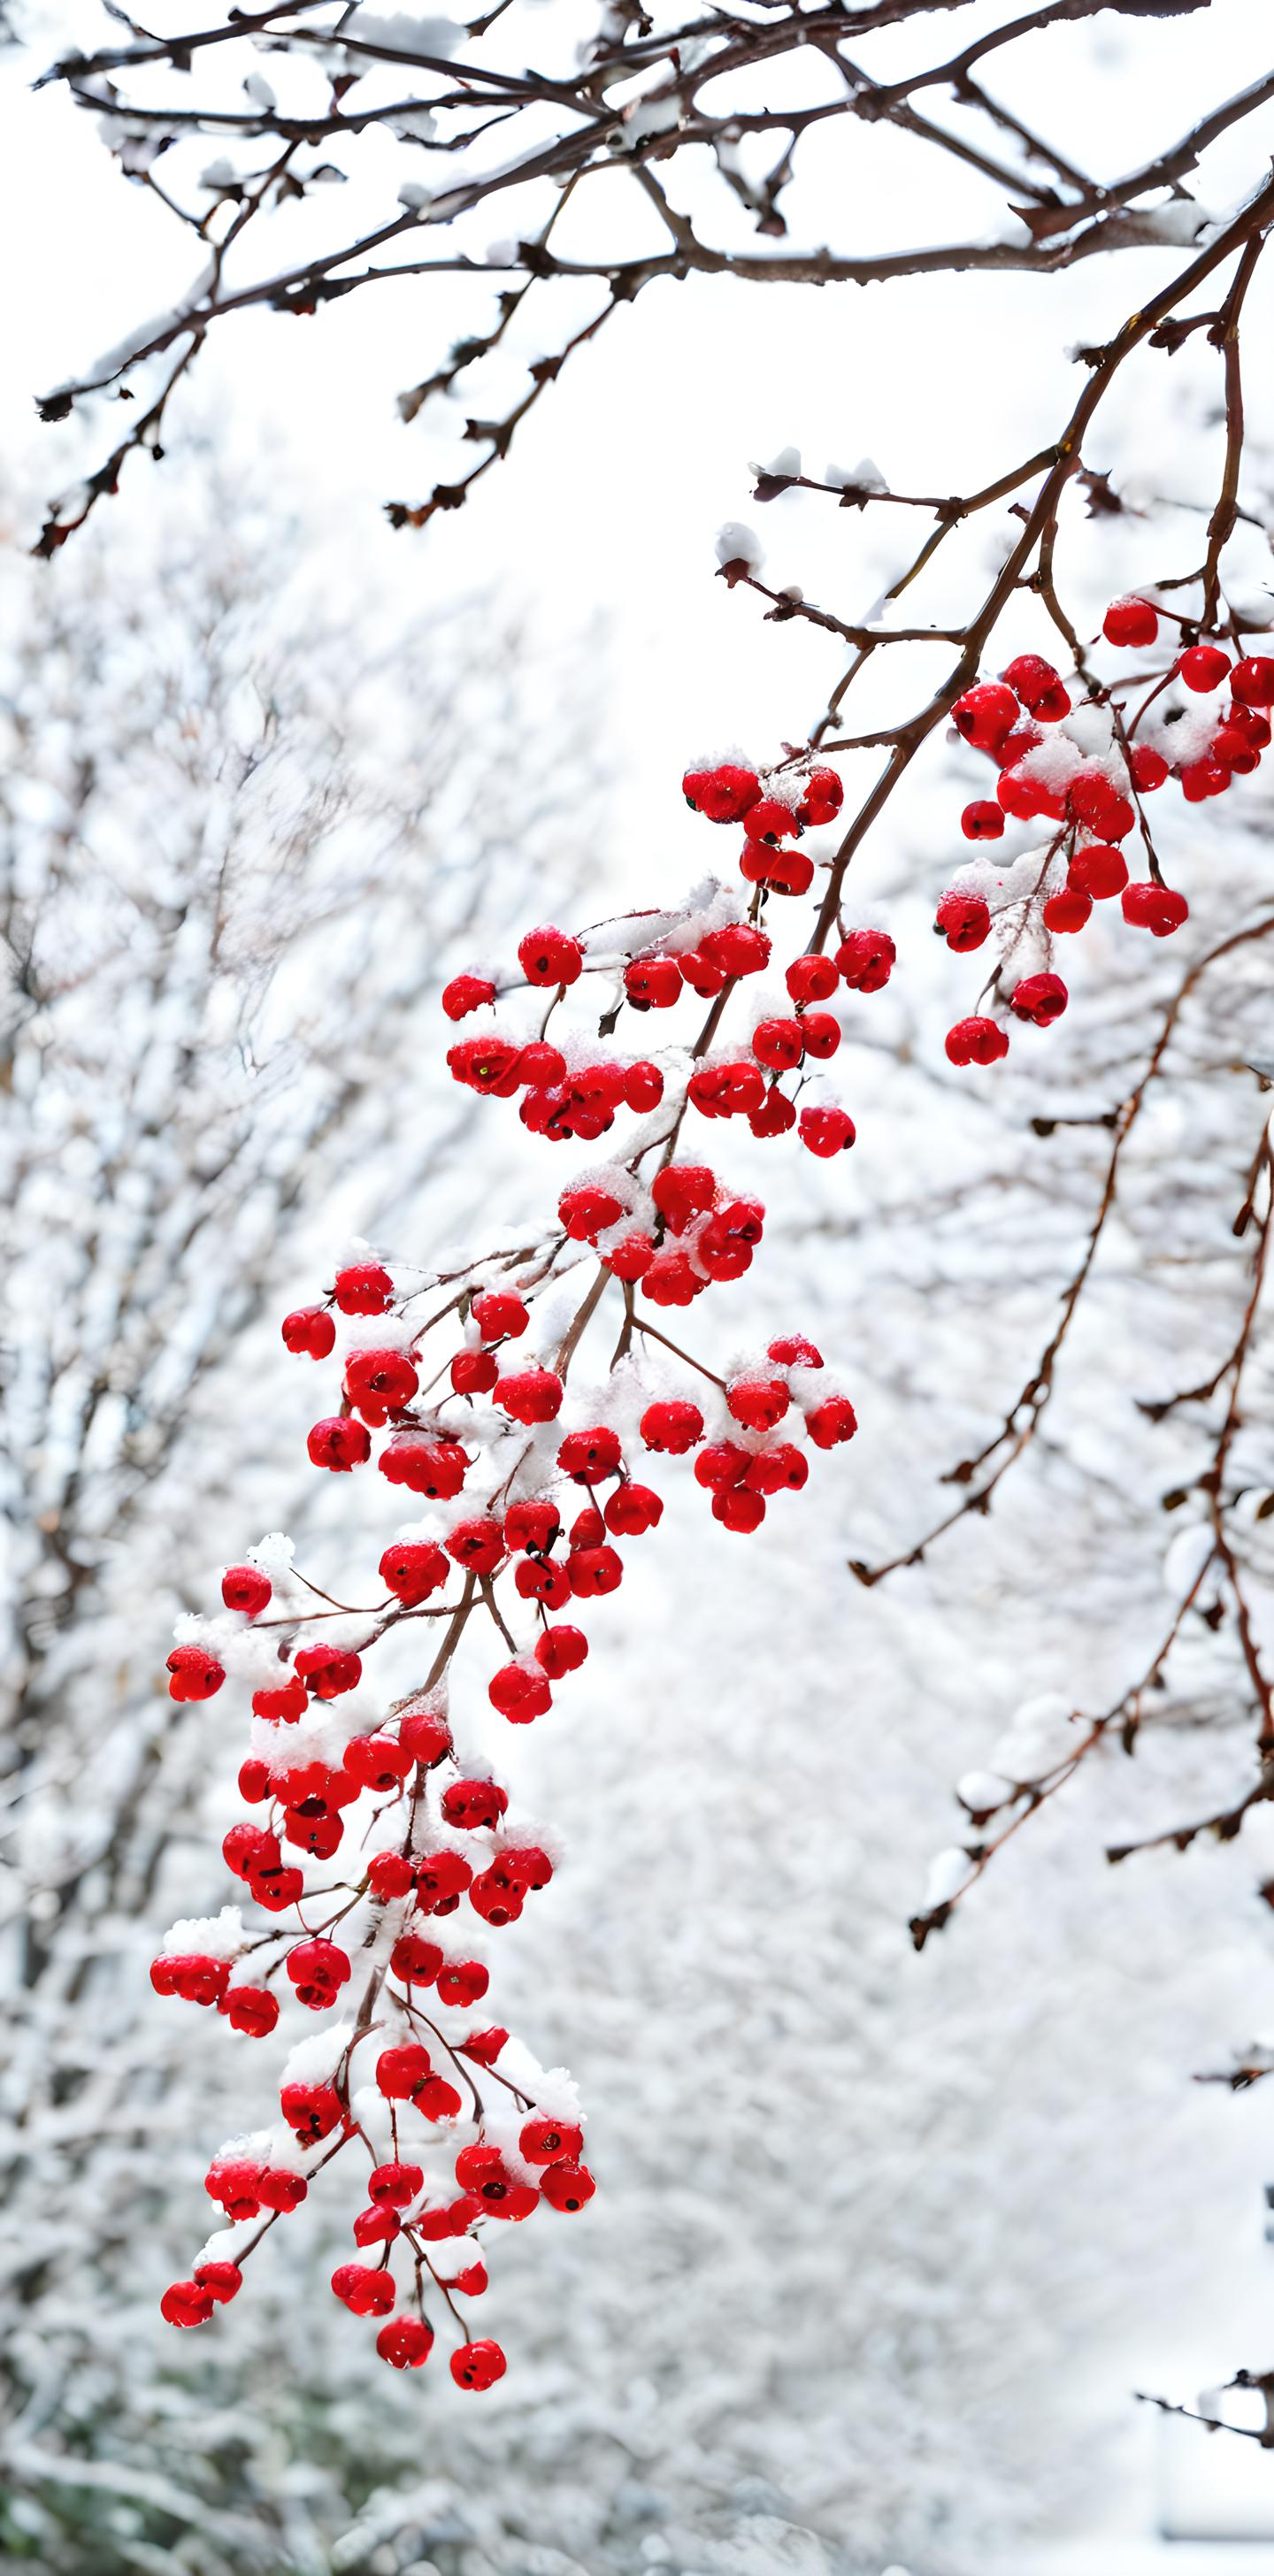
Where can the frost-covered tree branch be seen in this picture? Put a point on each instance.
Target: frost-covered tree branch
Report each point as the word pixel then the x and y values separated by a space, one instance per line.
pixel 624 130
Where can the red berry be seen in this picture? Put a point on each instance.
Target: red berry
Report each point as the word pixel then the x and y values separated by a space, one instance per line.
pixel 778 1044
pixel 193 1673
pixel 567 2185
pixel 471 1803
pixel 425 1735
pixel 982 821
pixel 400 2072
pixel 434 1468
pixel 1155 908
pixel 1203 667
pixel 364 2292
pixel 412 1569
pixel 593 1571
pixel 866 960
pixel 442 1878
pixel 184 2303
pixel 312 2110
pixel 519 1694
pixel 976 1041
pixel 683 1191
pixel 586 1211
pixel 700 974
pixel 1130 622
pixel 549 956
pixel 466 993
pixel 477 1544
pixel 674 1425
pixel 561 1650
pixel 530 1395
pixel 328 1671
pixel 1252 680
pixel 787 872
pixel 389 1875
pixel 383 1379
pixel 318 1969
pixel 244 1587
pixel 793 1350
pixel 478 2365
pixel 339 1443
pixel 1098 870
pixel 222 2281
pixel 1031 678
pixel 738 1508
pixel 775 1116
pixel 405 2342
pixel 364 1288
pixel 1068 909
pixel 832 1421
pixel 310 1332
pixel 826 1131
pixel 963 919
pixel 395 2184
pixel 811 979
pixel 1149 768
pixel 770 820
pixel 415 1960
pixel 738 948
pixel 985 714
pixel 497 1312
pixel 632 1510
pixel 653 983
pixel 643 1086
pixel 379 1762
pixel 758 1403
pixel 723 792
pixel 533 1524
pixel 544 2141
pixel 1039 998
pixel 587 1456
pixel 822 799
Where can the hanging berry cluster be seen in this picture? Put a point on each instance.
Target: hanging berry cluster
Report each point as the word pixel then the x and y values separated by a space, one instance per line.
pixel 1086 770
pixel 529 1490
pixel 379 1858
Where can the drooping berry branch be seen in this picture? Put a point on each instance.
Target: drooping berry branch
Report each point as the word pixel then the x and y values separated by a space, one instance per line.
pixel 470 1372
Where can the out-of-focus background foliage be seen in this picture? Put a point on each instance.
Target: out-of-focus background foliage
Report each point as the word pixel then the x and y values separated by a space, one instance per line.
pixel 882 2242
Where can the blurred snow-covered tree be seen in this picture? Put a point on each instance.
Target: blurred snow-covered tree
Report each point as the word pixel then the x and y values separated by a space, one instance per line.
pixel 236 861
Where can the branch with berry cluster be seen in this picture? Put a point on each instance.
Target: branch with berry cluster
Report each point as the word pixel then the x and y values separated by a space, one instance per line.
pixel 467 1376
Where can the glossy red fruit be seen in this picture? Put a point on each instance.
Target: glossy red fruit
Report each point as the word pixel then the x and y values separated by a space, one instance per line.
pixel 721 791
pixel 1155 908
pixel 985 714
pixel 193 1673
pixel 568 2186
pixel 412 1569
pixel 1098 870
pixel 826 1131
pixel 363 1288
pixel 309 1332
pixel 976 1041
pixel 1068 909
pixel 1039 998
pixel 405 2342
pixel 1204 667
pixel 1252 680
pixel 963 919
pixel 339 1443
pixel 246 1588
pixel 1130 622
pixel 478 2365
pixel 466 993
pixel 549 956
pixel 866 960
pixel 982 821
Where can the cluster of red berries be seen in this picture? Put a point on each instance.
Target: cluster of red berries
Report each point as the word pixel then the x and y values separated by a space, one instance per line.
pixel 530 1501
pixel 1085 769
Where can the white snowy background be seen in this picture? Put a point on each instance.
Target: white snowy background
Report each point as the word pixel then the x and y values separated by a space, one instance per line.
pixel 883 2243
